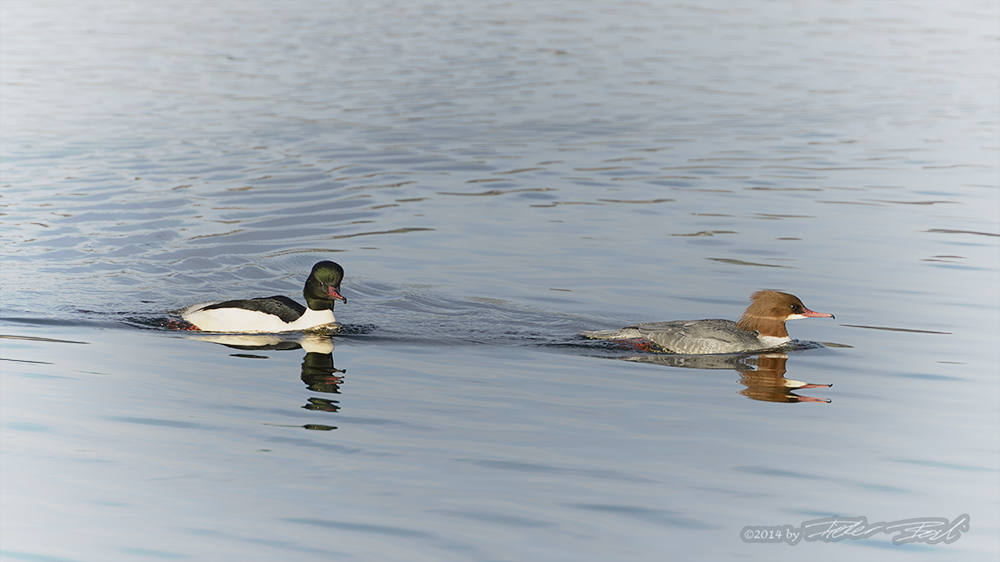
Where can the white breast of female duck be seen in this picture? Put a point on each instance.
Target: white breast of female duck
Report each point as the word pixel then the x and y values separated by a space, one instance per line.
pixel 771 341
pixel 242 320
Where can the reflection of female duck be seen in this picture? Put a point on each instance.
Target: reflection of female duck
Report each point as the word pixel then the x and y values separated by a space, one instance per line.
pixel 761 327
pixel 768 382
pixel 274 314
pixel 763 374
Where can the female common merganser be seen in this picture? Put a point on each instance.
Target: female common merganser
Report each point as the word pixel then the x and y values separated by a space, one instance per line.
pixel 274 314
pixel 761 327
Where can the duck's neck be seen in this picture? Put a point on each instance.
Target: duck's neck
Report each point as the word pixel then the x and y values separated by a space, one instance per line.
pixel 318 304
pixel 766 327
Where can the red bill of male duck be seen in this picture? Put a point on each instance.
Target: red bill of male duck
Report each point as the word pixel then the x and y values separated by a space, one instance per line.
pixel 761 327
pixel 274 314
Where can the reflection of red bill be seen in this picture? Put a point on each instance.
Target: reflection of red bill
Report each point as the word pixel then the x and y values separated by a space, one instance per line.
pixel 810 399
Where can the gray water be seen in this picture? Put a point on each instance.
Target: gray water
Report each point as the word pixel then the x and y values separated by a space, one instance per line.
pixel 494 178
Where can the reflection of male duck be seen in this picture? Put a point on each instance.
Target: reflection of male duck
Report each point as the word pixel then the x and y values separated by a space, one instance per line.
pixel 318 371
pixel 762 374
pixel 319 374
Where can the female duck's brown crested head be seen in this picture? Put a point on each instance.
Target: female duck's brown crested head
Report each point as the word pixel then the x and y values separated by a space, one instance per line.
pixel 769 310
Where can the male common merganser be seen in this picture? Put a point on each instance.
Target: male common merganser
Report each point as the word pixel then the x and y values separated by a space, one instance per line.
pixel 274 314
pixel 761 327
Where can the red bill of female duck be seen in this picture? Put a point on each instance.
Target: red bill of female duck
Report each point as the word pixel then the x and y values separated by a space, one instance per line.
pixel 761 327
pixel 274 314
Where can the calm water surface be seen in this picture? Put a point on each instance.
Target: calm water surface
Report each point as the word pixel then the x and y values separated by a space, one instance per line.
pixel 494 179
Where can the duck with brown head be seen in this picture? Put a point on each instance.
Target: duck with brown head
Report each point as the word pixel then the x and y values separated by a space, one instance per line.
pixel 762 326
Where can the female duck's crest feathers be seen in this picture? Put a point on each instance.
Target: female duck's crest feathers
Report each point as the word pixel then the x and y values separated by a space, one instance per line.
pixel 274 314
pixel 769 310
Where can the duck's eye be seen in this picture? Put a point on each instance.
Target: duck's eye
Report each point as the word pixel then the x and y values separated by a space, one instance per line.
pixel 795 308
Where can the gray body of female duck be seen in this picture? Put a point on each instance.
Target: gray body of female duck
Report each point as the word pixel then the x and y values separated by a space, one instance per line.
pixel 761 327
